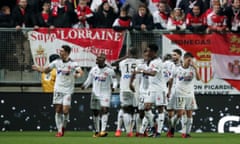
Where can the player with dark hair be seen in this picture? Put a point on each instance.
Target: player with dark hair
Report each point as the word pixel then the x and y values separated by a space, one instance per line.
pixel 67 71
pixel 184 100
pixel 176 59
pixel 103 80
pixel 127 97
pixel 156 94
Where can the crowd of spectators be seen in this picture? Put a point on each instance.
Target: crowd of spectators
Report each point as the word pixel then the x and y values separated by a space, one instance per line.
pixel 143 15
pixel 197 16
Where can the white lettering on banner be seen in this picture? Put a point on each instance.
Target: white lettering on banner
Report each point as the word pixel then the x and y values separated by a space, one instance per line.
pixel 85 43
pixel 218 87
pixel 89 34
pixel 36 36
pixel 226 119
pixel 76 34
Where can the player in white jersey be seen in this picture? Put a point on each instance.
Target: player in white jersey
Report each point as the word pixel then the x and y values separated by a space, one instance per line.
pixel 103 80
pixel 127 98
pixel 155 90
pixel 176 59
pixel 139 85
pixel 67 71
pixel 184 99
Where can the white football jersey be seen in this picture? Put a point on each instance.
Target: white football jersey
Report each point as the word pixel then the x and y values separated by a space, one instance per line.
pixel 127 66
pixel 184 81
pixel 167 70
pixel 141 78
pixel 102 80
pixel 156 82
pixel 65 79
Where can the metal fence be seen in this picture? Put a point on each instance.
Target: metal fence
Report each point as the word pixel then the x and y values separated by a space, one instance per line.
pixel 16 59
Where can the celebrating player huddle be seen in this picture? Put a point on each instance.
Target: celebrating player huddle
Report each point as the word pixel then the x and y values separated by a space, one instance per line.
pixel 149 88
pixel 158 86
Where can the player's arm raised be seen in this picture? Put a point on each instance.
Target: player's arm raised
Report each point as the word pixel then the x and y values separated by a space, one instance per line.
pixel 41 69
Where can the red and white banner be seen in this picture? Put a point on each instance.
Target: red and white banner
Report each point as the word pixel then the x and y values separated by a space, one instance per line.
pixel 213 68
pixel 85 44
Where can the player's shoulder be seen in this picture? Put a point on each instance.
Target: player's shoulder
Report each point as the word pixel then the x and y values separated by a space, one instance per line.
pixel 129 60
pixel 94 68
pixel 140 61
pixel 156 61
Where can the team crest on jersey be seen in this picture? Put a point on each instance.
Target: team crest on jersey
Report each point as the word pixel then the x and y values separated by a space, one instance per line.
pixel 204 65
pixel 40 56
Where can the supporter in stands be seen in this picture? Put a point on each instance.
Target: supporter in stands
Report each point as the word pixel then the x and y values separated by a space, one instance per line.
pixel 143 20
pixel 216 21
pixel 123 22
pixel 233 16
pixel 195 20
pixel 210 4
pixel 160 17
pixel 23 16
pixel 132 6
pixel 105 16
pixel 84 15
pixel 62 14
pixel 187 5
pixel 43 17
pixel 48 79
pixel 36 5
pixel 176 21
pixel 6 21
pixel 97 3
pixel 67 71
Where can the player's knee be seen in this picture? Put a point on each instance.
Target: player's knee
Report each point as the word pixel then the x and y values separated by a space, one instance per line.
pixel 128 109
pixel 95 112
pixel 141 115
pixel 104 110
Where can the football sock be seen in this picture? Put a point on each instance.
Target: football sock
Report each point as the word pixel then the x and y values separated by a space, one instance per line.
pixel 120 119
pixel 104 121
pixel 59 121
pixel 138 123
pixel 65 119
pixel 183 123
pixel 127 119
pixel 149 116
pixel 96 123
pixel 145 123
pixel 160 121
pixel 189 123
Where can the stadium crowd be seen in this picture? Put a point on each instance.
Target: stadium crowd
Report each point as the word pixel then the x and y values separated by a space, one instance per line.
pixel 173 15
pixel 197 16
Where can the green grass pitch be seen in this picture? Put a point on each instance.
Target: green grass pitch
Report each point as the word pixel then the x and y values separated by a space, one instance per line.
pixel 39 137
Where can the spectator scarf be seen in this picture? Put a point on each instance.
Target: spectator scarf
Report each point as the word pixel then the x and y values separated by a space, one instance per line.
pixel 124 21
pixel 22 11
pixel 83 11
pixel 45 17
